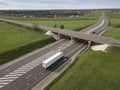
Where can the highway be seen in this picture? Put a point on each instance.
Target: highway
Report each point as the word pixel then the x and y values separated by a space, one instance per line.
pixel 17 77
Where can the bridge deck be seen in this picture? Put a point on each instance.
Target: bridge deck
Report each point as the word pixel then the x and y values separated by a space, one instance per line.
pixel 89 37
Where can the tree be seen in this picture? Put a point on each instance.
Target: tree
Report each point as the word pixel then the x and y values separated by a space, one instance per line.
pixel 62 26
pixel 55 26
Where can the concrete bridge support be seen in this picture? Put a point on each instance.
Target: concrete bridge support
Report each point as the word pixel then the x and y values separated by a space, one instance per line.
pixel 55 36
pixel 72 39
pixel 89 44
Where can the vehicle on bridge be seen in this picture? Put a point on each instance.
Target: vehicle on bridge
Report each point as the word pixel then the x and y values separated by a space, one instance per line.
pixel 52 59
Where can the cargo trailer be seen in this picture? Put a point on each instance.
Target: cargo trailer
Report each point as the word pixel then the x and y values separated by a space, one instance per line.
pixel 52 59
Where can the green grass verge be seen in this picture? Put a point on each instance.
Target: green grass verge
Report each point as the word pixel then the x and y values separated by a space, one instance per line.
pixel 114 19
pixel 19 51
pixel 113 33
pixel 16 41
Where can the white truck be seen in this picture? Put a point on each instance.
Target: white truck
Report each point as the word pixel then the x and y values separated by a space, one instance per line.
pixel 52 59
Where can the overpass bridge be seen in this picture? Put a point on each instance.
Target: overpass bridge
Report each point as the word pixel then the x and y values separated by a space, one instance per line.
pixel 70 33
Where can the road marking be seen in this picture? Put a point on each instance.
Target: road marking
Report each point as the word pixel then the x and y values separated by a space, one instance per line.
pixel 3 83
pixel 31 65
pixel 28 84
pixel 35 78
pixel 6 80
pixel 19 72
pixel 64 46
pixel 8 77
pixel 28 76
pixel 91 30
pixel 42 73
pixel 22 70
pixel 1 86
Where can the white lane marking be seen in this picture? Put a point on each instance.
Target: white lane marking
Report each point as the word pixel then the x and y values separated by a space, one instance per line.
pixel 28 76
pixel 1 86
pixel 28 84
pixel 6 80
pixel 74 50
pixel 21 70
pixel 32 65
pixel 9 78
pixel 9 75
pixel 91 30
pixel 35 78
pixel 3 83
pixel 18 72
pixel 28 66
pixel 42 73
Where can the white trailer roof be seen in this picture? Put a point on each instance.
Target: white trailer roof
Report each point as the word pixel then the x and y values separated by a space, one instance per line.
pixel 52 57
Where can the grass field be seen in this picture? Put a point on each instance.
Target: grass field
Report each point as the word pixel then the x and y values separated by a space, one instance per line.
pixel 94 70
pixel 113 32
pixel 69 23
pixel 114 19
pixel 12 37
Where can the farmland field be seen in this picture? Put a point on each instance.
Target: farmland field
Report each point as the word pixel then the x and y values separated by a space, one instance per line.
pixel 114 20
pixel 12 37
pixel 93 70
pixel 69 23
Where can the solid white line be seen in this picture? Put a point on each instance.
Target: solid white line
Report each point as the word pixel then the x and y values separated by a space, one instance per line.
pixel 6 80
pixel 91 30
pixel 3 83
pixel 9 75
pixel 21 70
pixel 1 86
pixel 35 63
pixel 30 67
pixel 18 72
pixel 9 78
pixel 30 64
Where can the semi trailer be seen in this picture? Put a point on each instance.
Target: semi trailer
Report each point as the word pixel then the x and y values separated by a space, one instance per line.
pixel 52 59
